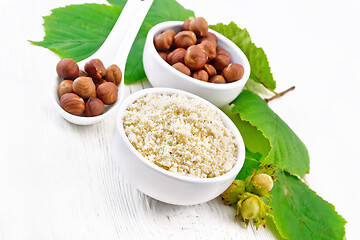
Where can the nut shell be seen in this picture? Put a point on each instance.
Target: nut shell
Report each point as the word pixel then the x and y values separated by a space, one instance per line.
pixel 84 87
pixel 164 40
pixel 211 71
pixel 201 75
pixel 113 74
pixel 263 180
pixel 65 87
pixel 82 73
pixel 98 82
pixel 107 92
pixel 222 59
pixel 94 107
pixel 163 55
pixel 182 68
pixel 186 25
pixel 72 103
pixel 176 56
pixel 95 68
pixel 199 26
pixel 217 79
pixel 209 47
pixel 67 68
pixel 210 36
pixel 195 58
pixel 250 208
pixel 185 39
pixel 233 72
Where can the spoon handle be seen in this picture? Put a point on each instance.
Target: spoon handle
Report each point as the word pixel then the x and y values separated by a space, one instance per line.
pixel 135 17
pixel 117 45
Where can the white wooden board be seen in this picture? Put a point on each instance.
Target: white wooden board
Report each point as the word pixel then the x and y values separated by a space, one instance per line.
pixel 59 181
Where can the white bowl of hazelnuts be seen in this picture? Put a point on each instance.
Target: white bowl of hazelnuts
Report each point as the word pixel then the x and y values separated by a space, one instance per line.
pixel 85 97
pixel 190 57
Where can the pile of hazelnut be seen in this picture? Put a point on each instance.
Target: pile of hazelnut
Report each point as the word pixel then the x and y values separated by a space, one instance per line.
pixel 194 52
pixel 84 93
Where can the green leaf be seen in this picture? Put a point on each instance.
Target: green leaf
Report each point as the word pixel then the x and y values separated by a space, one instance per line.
pixel 287 151
pixel 260 69
pixel 251 162
pixel 160 11
pixel 301 214
pixel 254 139
pixel 78 31
pixel 120 3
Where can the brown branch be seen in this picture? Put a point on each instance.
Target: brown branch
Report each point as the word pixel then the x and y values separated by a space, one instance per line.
pixel 279 94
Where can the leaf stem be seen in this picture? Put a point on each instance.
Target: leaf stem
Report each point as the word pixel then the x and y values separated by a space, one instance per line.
pixel 277 95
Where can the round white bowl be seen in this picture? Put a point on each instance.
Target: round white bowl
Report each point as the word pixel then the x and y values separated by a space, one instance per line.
pixel 164 185
pixel 82 120
pixel 161 74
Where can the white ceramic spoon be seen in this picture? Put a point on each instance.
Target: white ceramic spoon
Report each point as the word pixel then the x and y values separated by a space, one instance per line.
pixel 114 50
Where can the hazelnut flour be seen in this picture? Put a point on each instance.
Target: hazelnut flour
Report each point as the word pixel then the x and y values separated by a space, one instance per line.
pixel 181 135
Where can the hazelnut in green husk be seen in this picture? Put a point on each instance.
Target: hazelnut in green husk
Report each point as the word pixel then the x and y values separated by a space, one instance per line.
pixel 260 182
pixel 231 195
pixel 251 207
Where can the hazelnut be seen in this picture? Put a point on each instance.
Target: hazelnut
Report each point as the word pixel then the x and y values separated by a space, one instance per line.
pixel 67 68
pixel 163 55
pixel 84 87
pixel 186 25
pixel 233 72
pixel 65 87
pixel 199 26
pixel 98 82
pixel 182 68
pixel 195 58
pixel 107 92
pixel 184 39
pixel 72 103
pixel 217 79
pixel 209 47
pixel 264 181
pixel 210 70
pixel 164 40
pixel 95 68
pixel 94 107
pixel 250 208
pixel 201 75
pixel 113 74
pixel 210 36
pixel 176 56
pixel 82 73
pixel 222 59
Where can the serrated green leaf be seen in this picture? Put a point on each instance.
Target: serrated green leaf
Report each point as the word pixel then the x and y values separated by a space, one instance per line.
pixel 160 11
pixel 254 139
pixel 260 68
pixel 287 151
pixel 301 214
pixel 78 31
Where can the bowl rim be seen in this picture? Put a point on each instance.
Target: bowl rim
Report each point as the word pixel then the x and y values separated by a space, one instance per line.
pixel 228 123
pixel 235 50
